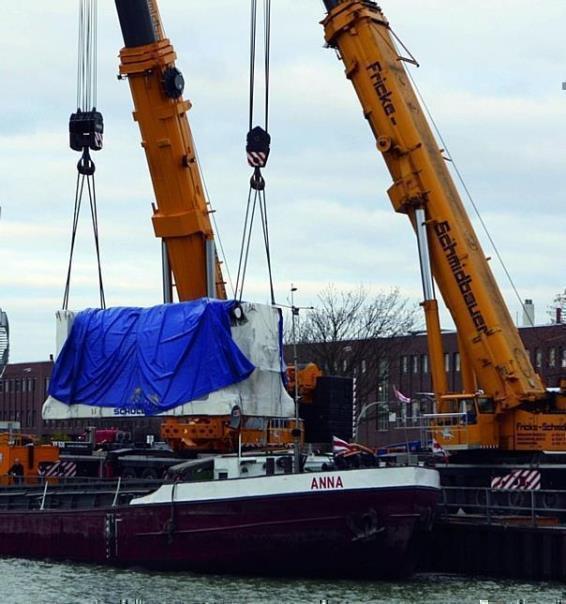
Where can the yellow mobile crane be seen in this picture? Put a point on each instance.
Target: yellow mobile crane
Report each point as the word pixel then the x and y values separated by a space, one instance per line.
pixel 508 407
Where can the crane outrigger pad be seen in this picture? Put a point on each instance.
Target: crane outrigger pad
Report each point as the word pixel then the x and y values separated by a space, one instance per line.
pixel 190 358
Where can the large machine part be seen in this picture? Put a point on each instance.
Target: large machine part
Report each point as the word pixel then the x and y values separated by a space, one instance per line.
pixel 260 402
pixel 181 217
pixel 514 411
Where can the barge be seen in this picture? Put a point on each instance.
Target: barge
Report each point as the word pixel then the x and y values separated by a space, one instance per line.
pixel 230 514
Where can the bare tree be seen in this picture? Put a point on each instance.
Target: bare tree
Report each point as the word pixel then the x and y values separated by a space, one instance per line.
pixel 353 334
pixel 557 310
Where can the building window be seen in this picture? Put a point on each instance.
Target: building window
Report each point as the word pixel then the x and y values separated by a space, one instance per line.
pixel 446 361
pixel 415 363
pixel 563 358
pixel 552 357
pixel 538 357
pixel 364 366
pixel 415 412
pixel 405 364
pixel 383 417
pixel 344 365
pixel 457 361
pixel 424 363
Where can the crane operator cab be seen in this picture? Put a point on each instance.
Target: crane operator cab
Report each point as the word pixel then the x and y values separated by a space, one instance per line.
pixel 462 421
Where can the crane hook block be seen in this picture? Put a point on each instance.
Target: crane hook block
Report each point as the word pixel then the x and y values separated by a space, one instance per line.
pixel 256 181
pixel 257 147
pixel 173 82
pixel 85 130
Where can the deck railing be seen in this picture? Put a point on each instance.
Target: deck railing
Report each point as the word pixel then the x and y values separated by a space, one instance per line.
pixel 498 506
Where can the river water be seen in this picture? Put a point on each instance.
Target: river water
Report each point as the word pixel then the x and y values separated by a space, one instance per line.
pixel 26 582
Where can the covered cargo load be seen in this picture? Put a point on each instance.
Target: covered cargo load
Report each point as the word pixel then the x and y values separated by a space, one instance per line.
pixel 191 358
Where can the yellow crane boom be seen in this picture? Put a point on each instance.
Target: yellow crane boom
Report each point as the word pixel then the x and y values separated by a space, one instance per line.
pixel 181 215
pixel 423 189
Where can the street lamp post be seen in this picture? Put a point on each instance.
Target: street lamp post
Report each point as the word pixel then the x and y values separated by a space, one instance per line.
pixel 363 411
pixel 296 431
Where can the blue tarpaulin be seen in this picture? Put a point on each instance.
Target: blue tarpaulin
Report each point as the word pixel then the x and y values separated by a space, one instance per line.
pixel 148 359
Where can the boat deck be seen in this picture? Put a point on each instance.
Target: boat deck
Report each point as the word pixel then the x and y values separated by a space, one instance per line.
pixel 74 493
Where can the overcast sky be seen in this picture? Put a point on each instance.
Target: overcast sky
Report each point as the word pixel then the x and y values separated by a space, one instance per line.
pixel 491 73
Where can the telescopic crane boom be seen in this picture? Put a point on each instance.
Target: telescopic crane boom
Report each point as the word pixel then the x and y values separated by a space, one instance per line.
pixel 181 216
pixel 491 349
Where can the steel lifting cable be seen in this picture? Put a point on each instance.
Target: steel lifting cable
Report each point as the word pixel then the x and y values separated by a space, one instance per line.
pixel 86 129
pixel 258 143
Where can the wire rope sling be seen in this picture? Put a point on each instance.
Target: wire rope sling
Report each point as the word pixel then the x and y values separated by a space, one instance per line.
pixel 86 128
pixel 258 143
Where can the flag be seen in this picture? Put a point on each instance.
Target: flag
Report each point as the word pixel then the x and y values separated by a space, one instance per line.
pixel 400 396
pixel 341 447
pixel 437 449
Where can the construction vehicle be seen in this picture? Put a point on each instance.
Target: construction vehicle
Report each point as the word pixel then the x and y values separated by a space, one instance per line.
pixel 504 413
pixel 24 450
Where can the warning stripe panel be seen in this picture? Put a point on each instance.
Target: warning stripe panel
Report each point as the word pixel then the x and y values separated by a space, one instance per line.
pixel 257 159
pixel 64 469
pixel 521 480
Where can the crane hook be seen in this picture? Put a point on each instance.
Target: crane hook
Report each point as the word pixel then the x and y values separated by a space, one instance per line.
pixel 85 165
pixel 257 181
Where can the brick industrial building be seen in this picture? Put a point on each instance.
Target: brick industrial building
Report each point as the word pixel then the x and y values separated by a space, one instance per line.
pixel 405 365
pixel 409 371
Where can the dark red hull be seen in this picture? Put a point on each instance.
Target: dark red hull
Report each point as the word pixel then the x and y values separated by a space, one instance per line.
pixel 338 533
